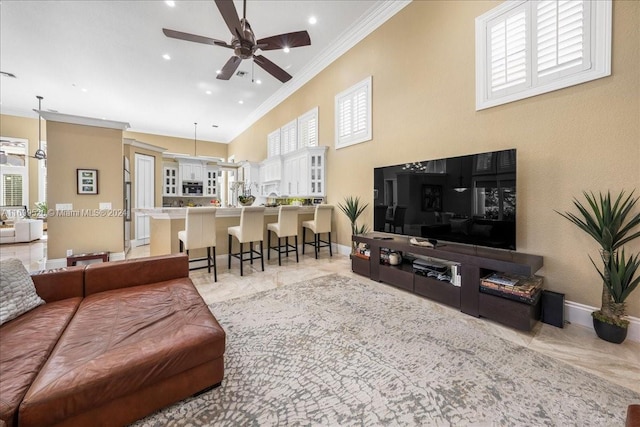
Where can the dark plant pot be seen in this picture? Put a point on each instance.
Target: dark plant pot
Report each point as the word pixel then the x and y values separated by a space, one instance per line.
pixel 608 332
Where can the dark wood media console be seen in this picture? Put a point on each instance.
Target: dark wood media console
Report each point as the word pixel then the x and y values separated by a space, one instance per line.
pixel 475 263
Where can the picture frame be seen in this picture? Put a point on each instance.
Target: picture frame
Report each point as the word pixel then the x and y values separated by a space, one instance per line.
pixel 87 181
pixel 431 197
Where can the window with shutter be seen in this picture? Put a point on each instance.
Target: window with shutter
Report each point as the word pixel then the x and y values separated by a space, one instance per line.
pixel 353 114
pixel 308 129
pixel 273 143
pixel 288 137
pixel 529 47
pixel 508 50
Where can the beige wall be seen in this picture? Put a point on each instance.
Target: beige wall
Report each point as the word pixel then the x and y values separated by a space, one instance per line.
pixel 586 137
pixel 26 128
pixel 181 145
pixel 86 147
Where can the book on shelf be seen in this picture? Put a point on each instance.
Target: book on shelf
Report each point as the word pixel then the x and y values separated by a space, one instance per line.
pixel 525 289
pixel 501 279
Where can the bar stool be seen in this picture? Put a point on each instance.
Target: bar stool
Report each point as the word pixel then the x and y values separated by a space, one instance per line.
pixel 251 229
pixel 286 226
pixel 200 232
pixel 321 223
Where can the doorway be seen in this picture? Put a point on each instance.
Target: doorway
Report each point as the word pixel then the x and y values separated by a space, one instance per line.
pixel 145 195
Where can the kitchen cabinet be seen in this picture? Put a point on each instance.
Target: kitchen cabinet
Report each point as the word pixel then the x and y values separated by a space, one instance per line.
pixel 270 176
pixel 304 172
pixel 211 181
pixel 191 172
pixel 170 180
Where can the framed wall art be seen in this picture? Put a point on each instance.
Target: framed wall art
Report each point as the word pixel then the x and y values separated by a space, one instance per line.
pixel 87 181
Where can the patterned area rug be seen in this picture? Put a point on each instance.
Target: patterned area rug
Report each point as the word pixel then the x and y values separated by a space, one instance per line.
pixel 334 351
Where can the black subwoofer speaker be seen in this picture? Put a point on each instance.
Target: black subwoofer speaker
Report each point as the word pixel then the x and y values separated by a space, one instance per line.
pixel 552 308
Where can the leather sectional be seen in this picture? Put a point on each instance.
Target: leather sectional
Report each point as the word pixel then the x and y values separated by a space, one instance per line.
pixel 113 343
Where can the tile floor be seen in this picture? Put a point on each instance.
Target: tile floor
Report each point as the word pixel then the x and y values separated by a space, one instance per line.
pixel 575 345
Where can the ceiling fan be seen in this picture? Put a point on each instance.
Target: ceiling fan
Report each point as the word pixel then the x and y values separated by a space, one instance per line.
pixel 244 43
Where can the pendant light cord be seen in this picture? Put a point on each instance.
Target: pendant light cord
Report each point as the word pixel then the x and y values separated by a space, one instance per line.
pixel 195 141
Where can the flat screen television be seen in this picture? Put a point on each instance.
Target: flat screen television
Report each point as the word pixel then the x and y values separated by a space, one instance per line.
pixel 468 199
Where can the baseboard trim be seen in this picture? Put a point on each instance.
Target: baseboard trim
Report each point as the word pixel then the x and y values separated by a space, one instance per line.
pixel 580 314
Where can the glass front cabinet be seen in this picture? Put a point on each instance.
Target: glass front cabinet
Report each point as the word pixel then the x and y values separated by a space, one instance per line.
pixel 170 180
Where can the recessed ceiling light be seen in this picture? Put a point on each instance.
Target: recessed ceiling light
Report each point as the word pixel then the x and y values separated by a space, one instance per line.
pixel 218 71
pixel 286 49
pixel 84 89
pixel 312 20
pixel 259 81
pixel 170 3
pixel 208 92
pixel 166 56
pixel 241 102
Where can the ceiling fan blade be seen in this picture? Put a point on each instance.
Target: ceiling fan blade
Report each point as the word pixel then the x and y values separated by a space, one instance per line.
pixel 230 16
pixel 297 39
pixel 229 68
pixel 194 38
pixel 272 68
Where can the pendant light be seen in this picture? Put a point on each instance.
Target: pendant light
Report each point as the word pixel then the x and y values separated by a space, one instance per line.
pixel 40 154
pixel 195 141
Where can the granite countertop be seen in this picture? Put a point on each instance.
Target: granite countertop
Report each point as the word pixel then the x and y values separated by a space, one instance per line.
pixel 181 213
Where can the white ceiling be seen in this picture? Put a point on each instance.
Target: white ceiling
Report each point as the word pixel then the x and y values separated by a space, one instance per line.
pixel 103 59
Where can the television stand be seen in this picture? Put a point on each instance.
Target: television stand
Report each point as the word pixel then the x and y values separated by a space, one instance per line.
pixel 475 263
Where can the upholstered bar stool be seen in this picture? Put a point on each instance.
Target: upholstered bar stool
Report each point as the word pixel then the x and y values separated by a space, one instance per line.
pixel 250 230
pixel 287 226
pixel 200 232
pixel 321 223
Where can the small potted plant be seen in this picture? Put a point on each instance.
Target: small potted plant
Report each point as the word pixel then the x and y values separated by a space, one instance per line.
pixel 612 225
pixel 353 210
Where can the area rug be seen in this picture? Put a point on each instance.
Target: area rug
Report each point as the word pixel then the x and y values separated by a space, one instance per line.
pixel 335 351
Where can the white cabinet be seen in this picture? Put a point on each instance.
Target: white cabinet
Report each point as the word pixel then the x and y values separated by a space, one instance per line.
pixel 271 176
pixel 191 172
pixel 249 173
pixel 316 173
pixel 211 181
pixel 170 180
pixel 304 172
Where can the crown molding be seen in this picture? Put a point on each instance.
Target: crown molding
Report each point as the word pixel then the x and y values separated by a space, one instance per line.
pixel 143 145
pixel 81 120
pixel 376 16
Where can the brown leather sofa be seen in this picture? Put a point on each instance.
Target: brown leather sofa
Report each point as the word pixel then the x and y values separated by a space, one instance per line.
pixel 633 416
pixel 113 343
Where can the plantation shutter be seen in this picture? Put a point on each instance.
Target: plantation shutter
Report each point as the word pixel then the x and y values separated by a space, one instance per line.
pixel 353 114
pixel 273 143
pixel 508 46
pixel 561 38
pixel 308 129
pixel 288 140
pixel 12 190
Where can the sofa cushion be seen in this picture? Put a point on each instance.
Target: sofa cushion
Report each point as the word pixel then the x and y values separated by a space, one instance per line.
pixel 27 341
pixel 17 291
pixel 121 341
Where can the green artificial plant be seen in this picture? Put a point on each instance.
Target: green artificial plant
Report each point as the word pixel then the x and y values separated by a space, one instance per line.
pixel 611 223
pixel 353 210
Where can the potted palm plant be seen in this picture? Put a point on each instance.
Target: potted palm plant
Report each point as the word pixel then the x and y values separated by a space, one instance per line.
pixel 611 224
pixel 353 210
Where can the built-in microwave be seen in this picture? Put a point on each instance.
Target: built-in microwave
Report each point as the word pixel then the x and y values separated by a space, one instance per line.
pixel 192 188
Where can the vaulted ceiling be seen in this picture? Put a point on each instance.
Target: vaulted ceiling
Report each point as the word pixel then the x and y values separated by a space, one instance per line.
pixel 104 59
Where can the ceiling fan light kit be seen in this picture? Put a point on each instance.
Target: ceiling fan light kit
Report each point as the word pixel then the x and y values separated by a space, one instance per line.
pixel 244 43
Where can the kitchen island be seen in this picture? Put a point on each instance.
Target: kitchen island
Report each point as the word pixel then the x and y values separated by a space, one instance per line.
pixel 166 222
